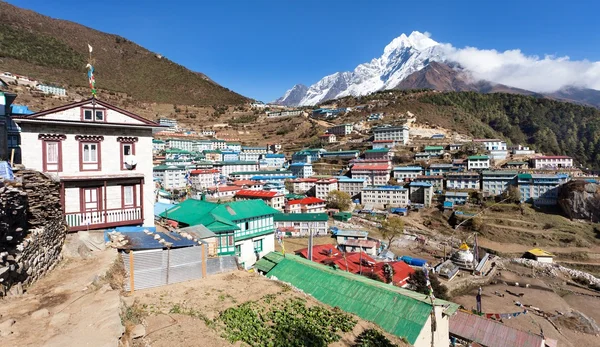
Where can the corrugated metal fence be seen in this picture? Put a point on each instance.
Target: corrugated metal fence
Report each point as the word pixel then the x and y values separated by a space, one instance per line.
pixel 159 267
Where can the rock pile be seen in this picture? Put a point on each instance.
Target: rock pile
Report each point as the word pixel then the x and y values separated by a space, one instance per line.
pixel 32 230
pixel 555 270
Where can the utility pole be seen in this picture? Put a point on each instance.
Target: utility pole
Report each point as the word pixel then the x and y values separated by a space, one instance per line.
pixel 310 241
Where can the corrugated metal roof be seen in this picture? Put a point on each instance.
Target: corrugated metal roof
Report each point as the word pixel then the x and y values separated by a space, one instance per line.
pixel 490 333
pixel 193 212
pixel 266 263
pixel 396 310
pixel 137 240
pixel 540 252
pixel 300 217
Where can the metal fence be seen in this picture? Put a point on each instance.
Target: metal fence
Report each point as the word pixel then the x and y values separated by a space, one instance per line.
pixel 159 267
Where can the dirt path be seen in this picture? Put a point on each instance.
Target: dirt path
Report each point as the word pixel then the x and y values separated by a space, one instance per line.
pixel 69 307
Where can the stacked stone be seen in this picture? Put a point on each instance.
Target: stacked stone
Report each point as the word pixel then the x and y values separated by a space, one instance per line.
pixel 37 232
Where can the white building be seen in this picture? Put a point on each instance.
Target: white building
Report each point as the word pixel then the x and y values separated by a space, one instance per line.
pixel 284 113
pixel 202 145
pixel 219 144
pixel 234 146
pixel 407 172
pixel 186 145
pixel 373 174
pixel 551 162
pixel 341 130
pixel 274 160
pixel 273 199
pixel 520 150
pixel 478 162
pixel 302 185
pixel 463 180
pixel 208 132
pixel 223 191
pixel 171 176
pixel 301 224
pixel 492 144
pixel 301 170
pixel 257 150
pixel 158 145
pixel 227 168
pixel 385 196
pixel 102 156
pixel 51 89
pixel 398 134
pixel 306 205
pixel 324 187
pixel 247 156
pixel 171 124
pixel 202 179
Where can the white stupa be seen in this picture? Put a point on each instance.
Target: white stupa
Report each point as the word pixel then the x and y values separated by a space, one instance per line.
pixel 464 258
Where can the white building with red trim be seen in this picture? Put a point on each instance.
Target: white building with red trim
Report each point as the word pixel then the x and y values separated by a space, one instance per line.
pixel 102 156
pixel 204 178
pixel 306 205
pixel 302 185
pixel 271 198
pixel 373 173
pixel 324 186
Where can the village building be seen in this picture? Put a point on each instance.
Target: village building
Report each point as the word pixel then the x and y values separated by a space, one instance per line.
pixel 491 144
pixel 420 193
pixel 436 181
pixel 540 255
pixel 202 179
pixel 274 160
pixel 102 156
pixel 478 162
pixel 516 165
pixel 341 130
pixel 248 184
pixel 463 180
pixel 551 162
pixel 328 138
pixel 227 168
pixel 324 186
pixel 385 196
pixel 306 205
pixel 456 198
pixel 263 175
pixel 257 150
pixel 273 199
pixel 398 134
pixel 434 150
pixel 208 132
pixel 222 192
pixel 202 145
pixel 303 185
pixel 213 155
pixel 183 144
pixel 439 169
pixel 309 155
pixel 384 144
pixel 407 172
pixel 250 156
pixel 230 156
pixel 301 224
pixel 351 186
pixel 246 225
pixel 382 153
pixel 219 144
pixel 158 145
pixel 340 155
pixel 234 146
pixel 539 189
pixel 372 173
pixel 423 156
pixel 170 124
pixel 411 318
pixel 453 147
pixel 520 150
pixel 176 153
pixel 301 170
pixel 494 183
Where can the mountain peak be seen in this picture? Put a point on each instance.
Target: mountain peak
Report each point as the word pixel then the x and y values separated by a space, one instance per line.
pixel 416 40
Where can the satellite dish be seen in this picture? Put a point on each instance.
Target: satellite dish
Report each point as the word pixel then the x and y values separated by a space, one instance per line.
pixel 130 162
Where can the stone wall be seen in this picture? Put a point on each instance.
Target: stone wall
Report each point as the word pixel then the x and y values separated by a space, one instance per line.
pixel 32 229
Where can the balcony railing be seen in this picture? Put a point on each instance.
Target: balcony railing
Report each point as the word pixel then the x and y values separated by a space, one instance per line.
pixel 105 218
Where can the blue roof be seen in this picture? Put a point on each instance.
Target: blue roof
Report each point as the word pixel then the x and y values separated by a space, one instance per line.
pixel 21 109
pixel 271 155
pixel 300 164
pixel 384 188
pixel 420 184
pixel 350 180
pixel 407 168
pixel 160 207
pixel 141 240
pixel 457 194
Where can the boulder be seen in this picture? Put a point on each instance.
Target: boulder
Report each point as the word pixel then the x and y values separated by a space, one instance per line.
pixel 580 200
pixel 42 313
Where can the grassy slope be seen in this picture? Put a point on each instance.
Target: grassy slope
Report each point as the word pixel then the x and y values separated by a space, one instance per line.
pixel 55 51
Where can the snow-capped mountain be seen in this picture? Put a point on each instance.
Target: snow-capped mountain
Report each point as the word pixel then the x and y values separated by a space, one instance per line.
pixel 401 57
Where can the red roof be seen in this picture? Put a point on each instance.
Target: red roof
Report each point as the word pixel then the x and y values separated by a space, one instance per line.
pixel 356 262
pixel 256 193
pixel 371 167
pixel 553 157
pixel 224 188
pixel 306 201
pixel 361 243
pixel 490 333
pixel 305 180
pixel 205 171
pixel 240 183
pixel 327 180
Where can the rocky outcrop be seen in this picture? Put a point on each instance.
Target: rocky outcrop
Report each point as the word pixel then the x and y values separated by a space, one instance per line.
pixel 580 200
pixel 32 229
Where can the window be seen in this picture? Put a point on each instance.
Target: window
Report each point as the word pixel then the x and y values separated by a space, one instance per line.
pixel 51 152
pixel 128 194
pixel 13 141
pixel 238 250
pixel 258 245
pixel 90 152
pixel 87 115
pixel 93 114
pixel 100 115
pixel 247 225
pixel 127 149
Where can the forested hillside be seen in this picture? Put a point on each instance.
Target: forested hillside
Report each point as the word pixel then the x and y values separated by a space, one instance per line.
pixel 549 126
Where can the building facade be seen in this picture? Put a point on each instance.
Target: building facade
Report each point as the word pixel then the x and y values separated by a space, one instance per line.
pixel 301 224
pixel 494 183
pixel 170 176
pixel 478 162
pixel 324 187
pixel 407 172
pixel 373 174
pixel 463 180
pixel 397 134
pixel 351 186
pixel 102 156
pixel 420 193
pixel 301 170
pixel 271 198
pixel 551 162
pixel 385 196
pixel 202 179
pixel 341 130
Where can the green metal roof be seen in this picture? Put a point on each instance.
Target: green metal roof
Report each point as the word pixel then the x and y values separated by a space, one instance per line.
pixel 157 141
pixel 176 151
pixel 211 151
pixel 168 167
pixel 258 173
pixel 235 162
pixel 266 263
pixel 478 157
pixel 377 150
pixel 434 148
pixel 396 310
pixel 193 212
pixel 292 196
pixel 302 217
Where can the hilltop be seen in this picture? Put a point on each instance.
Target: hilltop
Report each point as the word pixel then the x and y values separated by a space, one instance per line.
pixel 55 51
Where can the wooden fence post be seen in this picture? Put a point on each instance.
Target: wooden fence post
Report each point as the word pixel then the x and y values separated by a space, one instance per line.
pixel 203 260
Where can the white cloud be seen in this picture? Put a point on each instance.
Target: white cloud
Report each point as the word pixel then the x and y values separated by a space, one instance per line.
pixel 516 69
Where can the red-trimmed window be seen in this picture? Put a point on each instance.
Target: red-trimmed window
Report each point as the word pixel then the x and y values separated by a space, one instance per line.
pixel 52 152
pixel 92 114
pixel 90 152
pixel 128 196
pixel 127 149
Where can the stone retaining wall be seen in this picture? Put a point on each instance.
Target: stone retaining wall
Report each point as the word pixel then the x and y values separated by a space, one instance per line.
pixel 32 229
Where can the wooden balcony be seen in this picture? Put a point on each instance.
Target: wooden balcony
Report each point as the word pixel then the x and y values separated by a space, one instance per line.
pixel 104 219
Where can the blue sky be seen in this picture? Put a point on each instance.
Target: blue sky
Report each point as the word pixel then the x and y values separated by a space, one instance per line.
pixel 262 48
